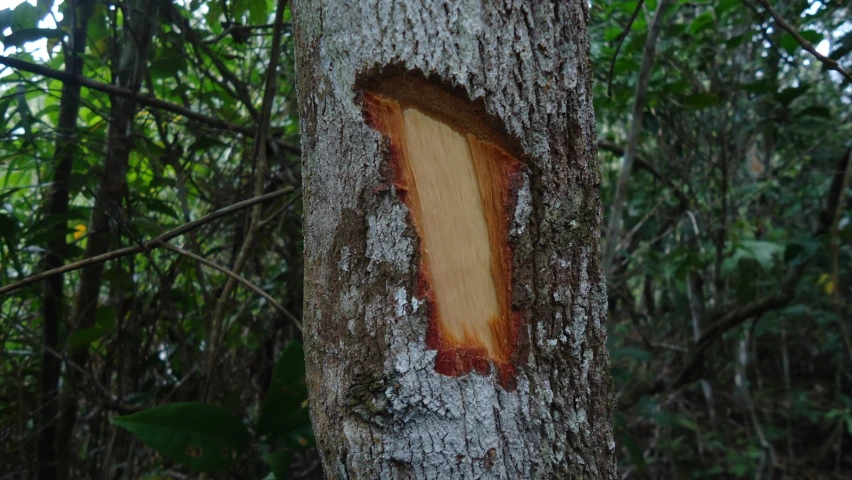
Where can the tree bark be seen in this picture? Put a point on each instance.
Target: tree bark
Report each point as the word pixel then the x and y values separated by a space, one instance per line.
pixel 54 304
pixel 140 24
pixel 379 407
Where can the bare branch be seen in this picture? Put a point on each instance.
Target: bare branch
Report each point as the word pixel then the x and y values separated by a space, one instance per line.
pixel 151 244
pixel 727 318
pixel 236 277
pixel 146 100
pixel 623 35
pixel 829 63
pixel 621 188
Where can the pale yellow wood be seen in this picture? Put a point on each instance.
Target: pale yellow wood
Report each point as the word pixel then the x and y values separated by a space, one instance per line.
pixel 455 232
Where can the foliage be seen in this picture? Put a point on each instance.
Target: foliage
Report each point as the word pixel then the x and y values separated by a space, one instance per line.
pixel 208 438
pixel 742 136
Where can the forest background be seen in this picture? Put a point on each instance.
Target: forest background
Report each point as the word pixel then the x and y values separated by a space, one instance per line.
pixel 724 140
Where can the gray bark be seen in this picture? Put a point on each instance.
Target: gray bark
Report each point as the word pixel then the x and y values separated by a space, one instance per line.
pixel 378 407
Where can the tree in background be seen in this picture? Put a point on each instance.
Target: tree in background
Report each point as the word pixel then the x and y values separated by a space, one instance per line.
pixel 729 295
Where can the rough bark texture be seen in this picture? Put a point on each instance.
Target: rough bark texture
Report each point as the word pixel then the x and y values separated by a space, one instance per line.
pixel 378 407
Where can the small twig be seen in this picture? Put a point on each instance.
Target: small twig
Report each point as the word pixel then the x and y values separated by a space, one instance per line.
pixel 236 277
pixel 831 64
pixel 123 252
pixel 283 207
pixel 217 333
pixel 621 38
pixel 638 112
pixel 146 100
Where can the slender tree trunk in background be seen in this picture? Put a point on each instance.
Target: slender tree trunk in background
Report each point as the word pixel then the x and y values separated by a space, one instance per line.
pixel 54 308
pixel 140 24
pixel 613 232
pixel 399 389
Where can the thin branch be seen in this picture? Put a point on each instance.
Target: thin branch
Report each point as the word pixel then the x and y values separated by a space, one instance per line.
pixel 829 63
pixel 146 100
pixel 621 37
pixel 151 244
pixel 645 165
pixel 620 195
pixel 217 333
pixel 236 277
pixel 729 317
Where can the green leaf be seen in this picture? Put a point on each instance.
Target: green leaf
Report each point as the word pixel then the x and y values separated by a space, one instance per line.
pixel 791 45
pixel 25 16
pixel 44 6
pixel 725 5
pixel 7 18
pixel 280 463
pixel 204 437
pixel 633 450
pixel 300 438
pixel 159 206
pixel 701 100
pixel 759 87
pixel 816 111
pixel 632 352
pixel 611 33
pixel 786 96
pixel 81 339
pixel 21 36
pixel 287 392
pixel 844 46
pixel 258 12
pixel 9 229
pixel 761 251
pixel 702 22
pixel 168 63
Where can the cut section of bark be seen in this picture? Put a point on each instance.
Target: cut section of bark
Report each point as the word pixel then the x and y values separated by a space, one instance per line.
pixel 457 188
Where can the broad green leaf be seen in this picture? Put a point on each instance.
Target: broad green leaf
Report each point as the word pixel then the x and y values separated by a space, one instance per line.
pixel 168 63
pixel 159 206
pixel 786 96
pixel 287 392
pixel 81 339
pixel 9 229
pixel 612 33
pixel 702 22
pixel 21 36
pixel 25 16
pixel 44 6
pixel 300 438
pixel 760 86
pixel 725 5
pixel 701 100
pixel 279 462
pixel 7 18
pixel 844 46
pixel 632 352
pixel 258 12
pixel 761 251
pixel 204 437
pixel 816 111
pixel 791 45
pixel 633 450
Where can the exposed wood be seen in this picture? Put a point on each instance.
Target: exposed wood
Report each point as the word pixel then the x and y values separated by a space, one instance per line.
pixel 454 234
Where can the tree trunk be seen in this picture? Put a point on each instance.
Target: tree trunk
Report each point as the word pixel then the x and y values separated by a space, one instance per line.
pixel 54 304
pixel 104 225
pixel 400 387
